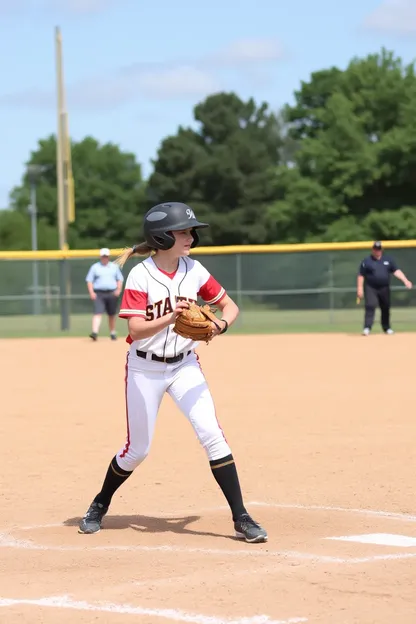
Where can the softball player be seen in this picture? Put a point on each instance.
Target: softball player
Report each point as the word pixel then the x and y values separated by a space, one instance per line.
pixel 160 361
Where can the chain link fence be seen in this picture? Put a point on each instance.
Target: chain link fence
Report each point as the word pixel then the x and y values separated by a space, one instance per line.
pixel 296 285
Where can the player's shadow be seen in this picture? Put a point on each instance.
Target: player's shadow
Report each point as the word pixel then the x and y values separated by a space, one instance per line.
pixel 150 524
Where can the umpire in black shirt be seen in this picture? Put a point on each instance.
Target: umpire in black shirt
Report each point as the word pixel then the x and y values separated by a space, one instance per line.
pixel 373 283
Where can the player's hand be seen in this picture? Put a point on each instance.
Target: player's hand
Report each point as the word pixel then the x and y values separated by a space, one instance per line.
pixel 217 330
pixel 408 284
pixel 93 296
pixel 180 305
pixel 360 293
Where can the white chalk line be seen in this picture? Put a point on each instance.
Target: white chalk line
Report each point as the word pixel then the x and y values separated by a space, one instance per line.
pixel 33 527
pixel 366 512
pixel 180 616
pixel 8 541
pixel 172 516
pixel 65 602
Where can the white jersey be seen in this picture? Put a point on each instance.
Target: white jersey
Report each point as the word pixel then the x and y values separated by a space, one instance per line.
pixel 152 293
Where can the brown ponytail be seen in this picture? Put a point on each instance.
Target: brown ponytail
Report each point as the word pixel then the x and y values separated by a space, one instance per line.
pixel 142 249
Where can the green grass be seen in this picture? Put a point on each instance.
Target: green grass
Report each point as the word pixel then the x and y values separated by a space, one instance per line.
pixel 311 321
pixel 251 321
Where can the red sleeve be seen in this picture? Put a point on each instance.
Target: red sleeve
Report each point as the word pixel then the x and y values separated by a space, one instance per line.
pixel 211 292
pixel 133 303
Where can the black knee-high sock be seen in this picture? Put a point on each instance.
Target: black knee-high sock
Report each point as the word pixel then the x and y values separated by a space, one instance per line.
pixel 114 478
pixel 225 473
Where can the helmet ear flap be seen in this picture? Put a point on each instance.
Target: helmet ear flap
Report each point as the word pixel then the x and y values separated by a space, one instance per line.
pixel 195 236
pixel 165 241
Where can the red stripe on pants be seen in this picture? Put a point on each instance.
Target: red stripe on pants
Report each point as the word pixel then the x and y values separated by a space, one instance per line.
pixel 127 446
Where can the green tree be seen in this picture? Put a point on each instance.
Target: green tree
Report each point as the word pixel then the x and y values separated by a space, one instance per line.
pixel 392 224
pixel 225 168
pixel 345 228
pixel 340 157
pixel 305 116
pixel 109 193
pixel 304 208
pixel 15 232
pixel 377 87
pixel 337 165
pixel 357 133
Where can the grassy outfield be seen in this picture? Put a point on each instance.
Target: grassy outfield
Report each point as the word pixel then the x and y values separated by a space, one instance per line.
pixel 251 321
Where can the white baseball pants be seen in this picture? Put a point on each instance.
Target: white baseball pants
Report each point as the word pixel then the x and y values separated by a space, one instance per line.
pixel 146 383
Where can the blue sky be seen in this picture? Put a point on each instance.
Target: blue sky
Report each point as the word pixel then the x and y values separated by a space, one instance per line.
pixel 135 69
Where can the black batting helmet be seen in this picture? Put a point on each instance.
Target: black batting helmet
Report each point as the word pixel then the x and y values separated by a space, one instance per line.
pixel 168 217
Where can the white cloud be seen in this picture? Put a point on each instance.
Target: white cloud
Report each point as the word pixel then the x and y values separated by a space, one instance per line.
pixel 393 16
pixel 181 81
pixel 161 81
pixel 30 98
pixel 249 51
pixel 101 93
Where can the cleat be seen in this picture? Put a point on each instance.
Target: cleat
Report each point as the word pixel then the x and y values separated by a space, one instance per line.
pixel 249 530
pixel 366 331
pixel 91 522
pixel 390 332
pixel 93 336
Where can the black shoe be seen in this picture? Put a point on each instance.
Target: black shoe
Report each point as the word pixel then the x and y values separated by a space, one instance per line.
pixel 93 336
pixel 91 522
pixel 113 336
pixel 249 530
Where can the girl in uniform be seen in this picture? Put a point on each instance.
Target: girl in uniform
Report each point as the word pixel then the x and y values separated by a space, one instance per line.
pixel 160 361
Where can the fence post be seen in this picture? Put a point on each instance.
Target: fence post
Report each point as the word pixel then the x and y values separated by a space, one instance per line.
pixel 34 236
pixel 239 286
pixel 64 292
pixel 331 288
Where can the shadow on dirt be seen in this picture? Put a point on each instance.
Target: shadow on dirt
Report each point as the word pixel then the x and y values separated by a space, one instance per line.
pixel 149 524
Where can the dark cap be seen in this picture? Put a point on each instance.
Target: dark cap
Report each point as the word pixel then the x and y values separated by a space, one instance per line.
pixel 377 245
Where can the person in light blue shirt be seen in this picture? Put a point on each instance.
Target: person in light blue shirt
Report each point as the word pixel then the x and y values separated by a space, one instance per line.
pixel 104 283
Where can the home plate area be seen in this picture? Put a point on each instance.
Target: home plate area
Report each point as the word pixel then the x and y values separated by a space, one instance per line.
pixel 187 567
pixel 309 533
pixel 381 539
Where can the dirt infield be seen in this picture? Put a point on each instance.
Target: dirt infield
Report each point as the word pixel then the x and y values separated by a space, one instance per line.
pixel 323 431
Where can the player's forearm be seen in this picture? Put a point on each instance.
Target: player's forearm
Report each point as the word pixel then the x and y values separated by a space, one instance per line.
pixel 90 288
pixel 139 328
pixel 230 312
pixel 360 282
